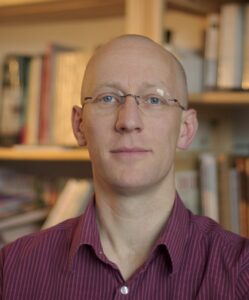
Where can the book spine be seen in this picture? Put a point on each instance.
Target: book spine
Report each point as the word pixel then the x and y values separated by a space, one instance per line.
pixel 211 52
pixel 245 76
pixel 243 205
pixel 209 186
pixel 230 50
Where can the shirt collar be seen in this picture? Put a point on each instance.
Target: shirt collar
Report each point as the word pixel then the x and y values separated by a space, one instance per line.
pixel 173 236
pixel 175 233
pixel 86 232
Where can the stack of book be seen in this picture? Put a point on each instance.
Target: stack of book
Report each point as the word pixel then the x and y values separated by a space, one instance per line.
pixel 28 204
pixel 25 201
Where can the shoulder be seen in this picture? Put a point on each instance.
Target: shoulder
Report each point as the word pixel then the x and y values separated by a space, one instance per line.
pixel 223 255
pixel 222 243
pixel 44 241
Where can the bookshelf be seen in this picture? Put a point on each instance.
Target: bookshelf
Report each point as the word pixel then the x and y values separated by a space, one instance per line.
pixel 27 11
pixel 213 100
pixel 220 98
pixel 48 12
pixel 47 161
pixel 220 107
pixel 40 153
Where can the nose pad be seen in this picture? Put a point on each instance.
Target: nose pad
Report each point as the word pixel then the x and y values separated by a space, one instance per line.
pixel 135 97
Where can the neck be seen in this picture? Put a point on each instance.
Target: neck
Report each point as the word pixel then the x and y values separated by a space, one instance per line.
pixel 129 224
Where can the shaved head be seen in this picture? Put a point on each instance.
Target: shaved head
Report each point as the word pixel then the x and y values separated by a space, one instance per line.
pixel 136 50
pixel 132 146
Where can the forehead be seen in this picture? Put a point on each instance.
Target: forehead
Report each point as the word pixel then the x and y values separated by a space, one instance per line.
pixel 132 64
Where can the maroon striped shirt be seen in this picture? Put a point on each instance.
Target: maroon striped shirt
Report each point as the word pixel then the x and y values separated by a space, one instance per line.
pixel 194 258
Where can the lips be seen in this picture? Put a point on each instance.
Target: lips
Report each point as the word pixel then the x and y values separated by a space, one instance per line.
pixel 130 150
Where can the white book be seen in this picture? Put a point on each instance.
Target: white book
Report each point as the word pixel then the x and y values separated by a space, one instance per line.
pixel 209 186
pixel 211 51
pixel 187 187
pixel 71 202
pixel 68 75
pixel 192 62
pixel 230 49
pixel 245 77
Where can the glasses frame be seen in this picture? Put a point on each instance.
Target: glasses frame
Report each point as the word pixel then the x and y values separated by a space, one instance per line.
pixel 136 97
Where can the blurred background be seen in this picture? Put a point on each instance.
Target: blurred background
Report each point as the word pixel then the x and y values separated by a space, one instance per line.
pixel 44 46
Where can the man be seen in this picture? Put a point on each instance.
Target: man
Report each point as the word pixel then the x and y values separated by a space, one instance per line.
pixel 136 240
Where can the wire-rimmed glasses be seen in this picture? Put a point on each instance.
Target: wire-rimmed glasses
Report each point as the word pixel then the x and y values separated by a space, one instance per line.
pixel 147 103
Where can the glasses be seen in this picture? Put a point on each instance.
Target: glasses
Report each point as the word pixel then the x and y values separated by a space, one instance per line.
pixel 108 102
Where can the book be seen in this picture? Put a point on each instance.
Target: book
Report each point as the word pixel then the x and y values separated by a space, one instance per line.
pixel 240 163
pixel 71 202
pixel 48 82
pixel 225 208
pixel 209 185
pixel 234 199
pixel 191 60
pixel 22 193
pixel 247 191
pixel 43 135
pixel 68 77
pixel 211 52
pixel 245 76
pixel 15 183
pixel 187 187
pixel 33 101
pixel 230 47
pixel 187 180
pixel 21 224
pixel 13 98
pixel 18 220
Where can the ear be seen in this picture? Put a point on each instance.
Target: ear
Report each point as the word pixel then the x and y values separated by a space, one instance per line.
pixel 188 129
pixel 77 124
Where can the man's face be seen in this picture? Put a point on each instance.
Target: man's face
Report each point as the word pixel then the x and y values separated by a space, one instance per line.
pixel 131 150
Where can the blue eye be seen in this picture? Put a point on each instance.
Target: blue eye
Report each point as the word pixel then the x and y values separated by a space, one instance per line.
pixel 154 100
pixel 108 98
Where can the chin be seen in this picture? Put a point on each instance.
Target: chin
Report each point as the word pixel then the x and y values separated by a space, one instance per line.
pixel 128 190
pixel 133 185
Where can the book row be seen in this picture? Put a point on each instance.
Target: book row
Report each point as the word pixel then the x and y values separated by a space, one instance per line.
pixel 226 54
pixel 37 96
pixel 25 208
pixel 217 185
pixel 223 63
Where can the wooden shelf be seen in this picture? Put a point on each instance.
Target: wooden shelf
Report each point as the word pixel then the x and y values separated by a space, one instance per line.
pixel 220 98
pixel 26 11
pixel 43 154
pixel 201 7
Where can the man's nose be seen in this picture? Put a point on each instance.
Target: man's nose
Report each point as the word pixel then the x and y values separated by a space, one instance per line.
pixel 129 116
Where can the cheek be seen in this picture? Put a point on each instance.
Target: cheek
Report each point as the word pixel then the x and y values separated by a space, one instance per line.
pixel 96 133
pixel 166 133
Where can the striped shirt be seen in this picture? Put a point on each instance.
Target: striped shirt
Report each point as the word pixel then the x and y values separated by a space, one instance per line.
pixel 193 258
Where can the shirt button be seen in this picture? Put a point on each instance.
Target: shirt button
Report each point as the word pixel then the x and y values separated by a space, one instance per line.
pixel 124 290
